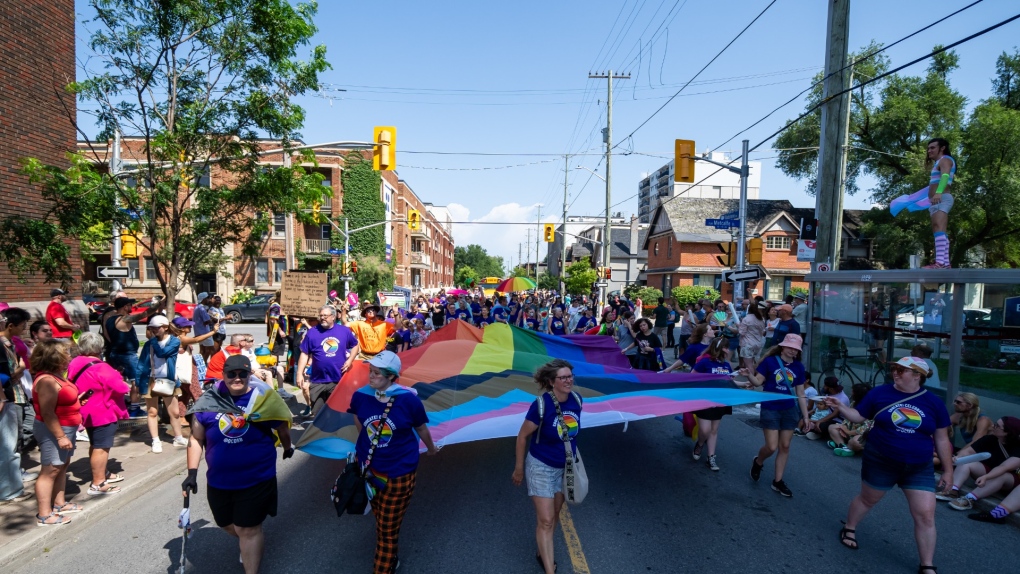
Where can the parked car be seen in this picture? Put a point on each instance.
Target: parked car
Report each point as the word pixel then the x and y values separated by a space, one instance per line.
pixel 97 306
pixel 253 309
pixel 186 310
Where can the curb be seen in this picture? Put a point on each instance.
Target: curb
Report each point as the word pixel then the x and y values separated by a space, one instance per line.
pixel 31 545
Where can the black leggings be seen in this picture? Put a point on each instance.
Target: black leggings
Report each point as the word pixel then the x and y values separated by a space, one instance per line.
pixel 670 342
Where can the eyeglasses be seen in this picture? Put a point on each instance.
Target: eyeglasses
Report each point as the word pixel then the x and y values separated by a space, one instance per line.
pixel 565 378
pixel 237 374
pixel 249 340
pixel 998 425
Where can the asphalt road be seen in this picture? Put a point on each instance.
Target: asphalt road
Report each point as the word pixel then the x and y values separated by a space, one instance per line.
pixel 650 509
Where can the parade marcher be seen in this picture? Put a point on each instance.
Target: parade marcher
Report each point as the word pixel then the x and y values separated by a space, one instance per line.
pixel 697 344
pixel 387 416
pixel 158 360
pixel 332 347
pixel 625 334
pixel 371 331
pixel 557 323
pixel 942 173
pixel 238 426
pixel 672 318
pixel 540 453
pixel 780 371
pixel 661 315
pixel 909 423
pixel 58 317
pixel 122 345
pixel 785 326
pixel 649 345
pixel 102 389
pixel 57 418
pixel 716 361
pixel 584 322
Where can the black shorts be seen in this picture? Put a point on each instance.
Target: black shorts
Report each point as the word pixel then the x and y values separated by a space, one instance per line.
pixel 714 413
pixel 247 507
pixel 102 436
pixel 318 394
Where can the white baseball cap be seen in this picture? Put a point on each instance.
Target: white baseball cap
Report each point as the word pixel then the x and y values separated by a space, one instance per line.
pixel 159 321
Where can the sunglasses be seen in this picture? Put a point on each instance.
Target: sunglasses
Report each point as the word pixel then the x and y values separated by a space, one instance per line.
pixel 238 374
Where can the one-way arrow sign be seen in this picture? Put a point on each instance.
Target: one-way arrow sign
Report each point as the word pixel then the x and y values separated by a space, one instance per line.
pixel 113 272
pixel 751 274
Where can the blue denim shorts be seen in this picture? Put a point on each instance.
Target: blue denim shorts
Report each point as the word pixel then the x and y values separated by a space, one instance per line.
pixel 126 364
pixel 544 481
pixel 882 473
pixel 785 419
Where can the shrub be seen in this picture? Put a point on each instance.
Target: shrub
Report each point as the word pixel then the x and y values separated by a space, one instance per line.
pixel 690 294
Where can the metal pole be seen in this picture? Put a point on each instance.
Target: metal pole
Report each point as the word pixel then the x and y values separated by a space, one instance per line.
pixel 955 343
pixel 288 227
pixel 609 177
pixel 538 234
pixel 347 254
pixel 738 287
pixel 563 236
pixel 115 244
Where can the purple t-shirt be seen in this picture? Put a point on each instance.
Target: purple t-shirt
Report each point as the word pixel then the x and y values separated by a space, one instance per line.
pixel 238 452
pixel 547 440
pixel 780 378
pixel 397 452
pixel 329 349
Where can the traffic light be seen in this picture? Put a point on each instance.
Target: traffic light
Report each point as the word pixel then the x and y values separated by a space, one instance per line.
pixel 729 256
pixel 128 247
pixel 354 266
pixel 344 268
pixel 755 248
pixel 413 219
pixel 684 161
pixel 608 272
pixel 384 152
pixel 549 232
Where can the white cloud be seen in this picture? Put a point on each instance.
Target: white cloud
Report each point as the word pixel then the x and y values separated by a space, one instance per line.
pixel 499 240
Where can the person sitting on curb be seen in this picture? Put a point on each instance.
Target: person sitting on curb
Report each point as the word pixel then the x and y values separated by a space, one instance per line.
pixel 822 416
pixel 847 438
pixel 999 472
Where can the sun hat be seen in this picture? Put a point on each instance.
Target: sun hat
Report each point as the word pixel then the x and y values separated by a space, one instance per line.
pixel 800 296
pixel 386 361
pixel 793 341
pixel 366 305
pixel 914 364
pixel 159 321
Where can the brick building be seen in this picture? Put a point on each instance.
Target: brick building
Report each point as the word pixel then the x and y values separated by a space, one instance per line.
pixel 683 251
pixel 312 242
pixel 36 114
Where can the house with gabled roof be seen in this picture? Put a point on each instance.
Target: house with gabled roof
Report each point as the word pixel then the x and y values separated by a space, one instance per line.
pixel 683 250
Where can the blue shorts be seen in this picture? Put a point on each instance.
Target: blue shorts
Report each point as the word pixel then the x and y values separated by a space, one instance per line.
pixel 882 473
pixel 785 419
pixel 126 364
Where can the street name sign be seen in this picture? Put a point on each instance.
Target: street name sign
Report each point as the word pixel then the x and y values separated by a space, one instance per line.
pixel 731 215
pixel 113 272
pixel 602 284
pixel 722 223
pixel 335 251
pixel 733 276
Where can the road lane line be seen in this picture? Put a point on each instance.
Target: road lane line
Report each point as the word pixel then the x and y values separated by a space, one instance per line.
pixel 573 541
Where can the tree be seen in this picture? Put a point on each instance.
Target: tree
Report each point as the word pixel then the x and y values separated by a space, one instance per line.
pixel 197 83
pixel 547 281
pixel 580 277
pixel 685 295
pixel 464 276
pixel 520 272
pixel 890 126
pixel 477 258
pixel 373 275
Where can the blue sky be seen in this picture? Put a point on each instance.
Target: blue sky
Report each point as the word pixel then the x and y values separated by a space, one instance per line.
pixel 511 78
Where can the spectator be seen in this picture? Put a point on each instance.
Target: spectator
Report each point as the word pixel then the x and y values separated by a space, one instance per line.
pixel 217 315
pixel 57 418
pixel 204 323
pixel 1003 445
pixel 159 361
pixel 101 410
pixel 847 438
pixel 822 416
pixel 332 348
pixel 13 371
pixel 219 357
pixel 122 345
pixel 191 368
pixel 786 325
pixel 277 327
pixel 661 315
pixel 752 336
pixel 924 352
pixel 968 418
pixel 58 317
pixel 800 310
pixel 687 323
pixel 771 322
pixel 11 367
pixel 671 320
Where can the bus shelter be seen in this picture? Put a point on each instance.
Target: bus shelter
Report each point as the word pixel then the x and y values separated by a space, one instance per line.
pixel 968 319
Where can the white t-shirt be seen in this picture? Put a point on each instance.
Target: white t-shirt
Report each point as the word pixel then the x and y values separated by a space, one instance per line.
pixel 159 370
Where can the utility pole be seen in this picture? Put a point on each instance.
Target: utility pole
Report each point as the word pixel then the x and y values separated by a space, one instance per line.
pixel 527 251
pixel 609 170
pixel 115 243
pixel 829 193
pixel 563 236
pixel 518 255
pixel 538 233
pixel 738 286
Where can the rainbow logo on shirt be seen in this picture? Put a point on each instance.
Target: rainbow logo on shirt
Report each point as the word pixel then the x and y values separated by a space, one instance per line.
pixel 383 428
pixel 569 419
pixel 330 346
pixel 906 418
pixel 232 426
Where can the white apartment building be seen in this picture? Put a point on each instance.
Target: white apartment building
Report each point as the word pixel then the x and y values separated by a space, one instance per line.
pixel 659 185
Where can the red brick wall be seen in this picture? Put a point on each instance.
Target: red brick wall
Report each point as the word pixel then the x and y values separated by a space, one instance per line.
pixel 36 62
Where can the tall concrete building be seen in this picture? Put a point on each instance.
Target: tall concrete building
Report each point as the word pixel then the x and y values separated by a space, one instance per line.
pixel 659 186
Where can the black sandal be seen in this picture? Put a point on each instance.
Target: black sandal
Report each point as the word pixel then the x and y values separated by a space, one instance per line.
pixel 844 537
pixel 921 568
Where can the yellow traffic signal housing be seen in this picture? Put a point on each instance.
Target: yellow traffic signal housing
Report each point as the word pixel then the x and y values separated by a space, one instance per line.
pixel 413 219
pixel 755 249
pixel 684 162
pixel 128 247
pixel 729 256
pixel 549 232
pixel 384 152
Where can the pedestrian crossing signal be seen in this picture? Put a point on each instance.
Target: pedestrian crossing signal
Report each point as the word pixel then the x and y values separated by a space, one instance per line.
pixel 354 267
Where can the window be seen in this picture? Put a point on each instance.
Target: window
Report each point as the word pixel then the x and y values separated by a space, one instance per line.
pixel 327 231
pixel 775 290
pixel 279 266
pixel 279 224
pixel 150 270
pixel 203 179
pixel 777 242
pixel 669 248
pixel 261 271
pixel 705 280
pixel 667 285
pixel 132 265
pixel 656 248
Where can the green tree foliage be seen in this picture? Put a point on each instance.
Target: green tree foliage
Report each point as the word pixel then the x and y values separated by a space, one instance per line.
pixel 464 276
pixel 363 206
pixel 890 126
pixel 648 295
pixel 547 281
pixel 196 84
pixel 580 277
pixel 520 272
pixel 690 295
pixel 475 257
pixel 373 275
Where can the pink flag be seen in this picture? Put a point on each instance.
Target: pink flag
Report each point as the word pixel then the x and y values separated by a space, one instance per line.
pixel 352 299
pixel 916 201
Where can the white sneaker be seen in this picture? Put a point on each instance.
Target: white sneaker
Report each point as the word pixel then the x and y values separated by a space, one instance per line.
pixel 157 447
pixel 81 436
pixel 180 441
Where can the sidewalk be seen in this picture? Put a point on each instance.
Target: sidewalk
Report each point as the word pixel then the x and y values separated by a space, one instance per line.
pixel 130 457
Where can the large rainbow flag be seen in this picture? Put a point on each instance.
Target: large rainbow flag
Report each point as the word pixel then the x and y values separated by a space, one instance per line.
pixel 478 385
